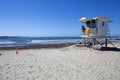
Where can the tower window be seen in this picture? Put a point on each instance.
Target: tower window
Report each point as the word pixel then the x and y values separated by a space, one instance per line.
pixel 91 24
pixel 103 23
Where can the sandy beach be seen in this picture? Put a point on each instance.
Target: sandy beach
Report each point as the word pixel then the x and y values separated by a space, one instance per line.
pixel 67 63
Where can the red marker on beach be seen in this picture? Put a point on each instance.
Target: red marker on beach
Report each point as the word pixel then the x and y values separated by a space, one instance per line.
pixel 16 51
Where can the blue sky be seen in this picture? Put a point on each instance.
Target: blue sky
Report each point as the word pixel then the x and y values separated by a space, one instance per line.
pixel 54 17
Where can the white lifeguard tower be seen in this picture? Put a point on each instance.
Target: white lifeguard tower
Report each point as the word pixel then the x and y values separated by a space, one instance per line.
pixel 98 27
pixel 95 28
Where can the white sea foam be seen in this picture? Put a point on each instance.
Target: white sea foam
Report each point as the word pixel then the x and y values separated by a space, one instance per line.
pixel 53 41
pixel 7 42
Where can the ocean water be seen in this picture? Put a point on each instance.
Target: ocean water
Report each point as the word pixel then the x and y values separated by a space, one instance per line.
pixel 6 41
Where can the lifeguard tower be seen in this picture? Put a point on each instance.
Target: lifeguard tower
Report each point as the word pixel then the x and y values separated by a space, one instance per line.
pixel 96 28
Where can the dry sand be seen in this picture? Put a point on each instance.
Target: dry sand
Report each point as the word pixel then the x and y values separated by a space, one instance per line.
pixel 69 63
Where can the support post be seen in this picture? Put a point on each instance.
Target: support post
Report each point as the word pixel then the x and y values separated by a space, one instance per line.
pixel 106 43
pixel 93 43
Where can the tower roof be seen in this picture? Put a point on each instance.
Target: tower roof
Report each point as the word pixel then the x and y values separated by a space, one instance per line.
pixel 85 19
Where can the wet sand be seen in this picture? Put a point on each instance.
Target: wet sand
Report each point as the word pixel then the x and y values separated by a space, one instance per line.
pixel 37 46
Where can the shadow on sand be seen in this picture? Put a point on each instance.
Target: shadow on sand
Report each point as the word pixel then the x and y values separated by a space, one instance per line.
pixel 109 49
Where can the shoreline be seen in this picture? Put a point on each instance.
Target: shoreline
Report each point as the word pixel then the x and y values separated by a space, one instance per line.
pixel 38 46
pixel 62 45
